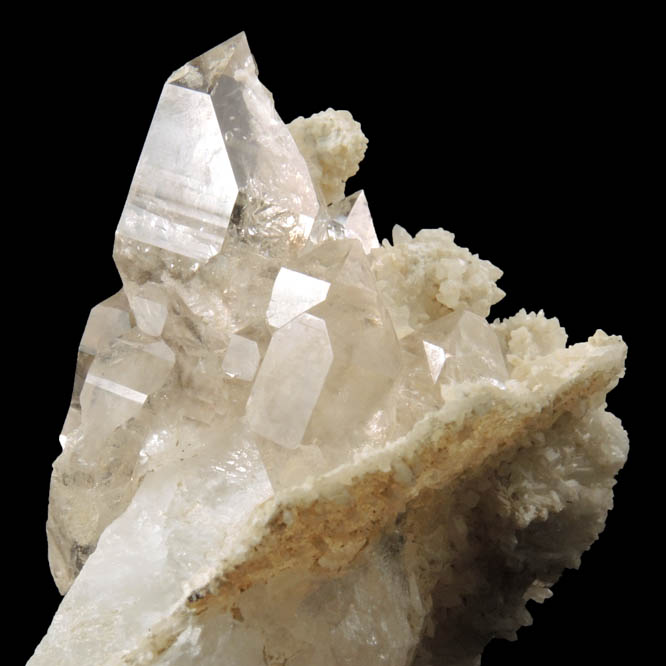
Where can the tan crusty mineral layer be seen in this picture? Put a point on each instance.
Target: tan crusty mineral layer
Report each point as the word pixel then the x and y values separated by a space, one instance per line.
pixel 329 530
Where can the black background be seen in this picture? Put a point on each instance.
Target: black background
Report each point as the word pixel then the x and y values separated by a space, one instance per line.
pixel 530 138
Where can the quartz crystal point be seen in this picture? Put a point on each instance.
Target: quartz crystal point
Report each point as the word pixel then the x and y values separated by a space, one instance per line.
pixel 289 445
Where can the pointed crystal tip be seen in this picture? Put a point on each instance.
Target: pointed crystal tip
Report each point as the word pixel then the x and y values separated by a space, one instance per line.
pixel 203 72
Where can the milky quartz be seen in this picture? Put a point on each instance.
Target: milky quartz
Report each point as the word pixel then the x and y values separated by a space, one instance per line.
pixel 290 445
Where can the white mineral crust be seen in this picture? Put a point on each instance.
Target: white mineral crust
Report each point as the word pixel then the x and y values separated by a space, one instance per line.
pixel 289 445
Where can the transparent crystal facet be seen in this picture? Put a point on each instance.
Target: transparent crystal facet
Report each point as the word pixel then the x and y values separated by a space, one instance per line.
pixel 354 214
pixel 184 189
pixel 294 293
pixel 242 358
pixel 290 380
pixel 217 154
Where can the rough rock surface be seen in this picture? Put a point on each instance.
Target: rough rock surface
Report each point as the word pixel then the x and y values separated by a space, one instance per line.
pixel 289 445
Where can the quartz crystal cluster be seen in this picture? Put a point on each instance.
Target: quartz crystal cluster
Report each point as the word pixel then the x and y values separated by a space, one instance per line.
pixel 289 445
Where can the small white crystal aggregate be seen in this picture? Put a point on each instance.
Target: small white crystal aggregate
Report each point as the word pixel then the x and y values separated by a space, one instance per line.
pixel 333 146
pixel 427 277
pixel 289 445
pixel 527 336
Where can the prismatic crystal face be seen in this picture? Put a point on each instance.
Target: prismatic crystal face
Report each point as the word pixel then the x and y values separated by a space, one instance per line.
pixel 289 444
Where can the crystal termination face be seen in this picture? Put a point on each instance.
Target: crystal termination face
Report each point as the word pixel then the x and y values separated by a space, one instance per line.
pixel 289 444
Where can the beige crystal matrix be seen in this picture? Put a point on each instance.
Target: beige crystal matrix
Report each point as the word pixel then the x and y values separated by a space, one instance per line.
pixel 290 445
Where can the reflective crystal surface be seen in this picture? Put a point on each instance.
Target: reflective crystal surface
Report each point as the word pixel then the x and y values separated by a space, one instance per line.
pixel 276 450
pixel 459 347
pixel 353 214
pixel 216 150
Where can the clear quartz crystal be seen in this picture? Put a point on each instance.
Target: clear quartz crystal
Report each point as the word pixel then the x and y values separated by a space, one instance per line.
pixel 460 347
pixel 297 361
pixel 354 214
pixel 107 321
pixel 270 375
